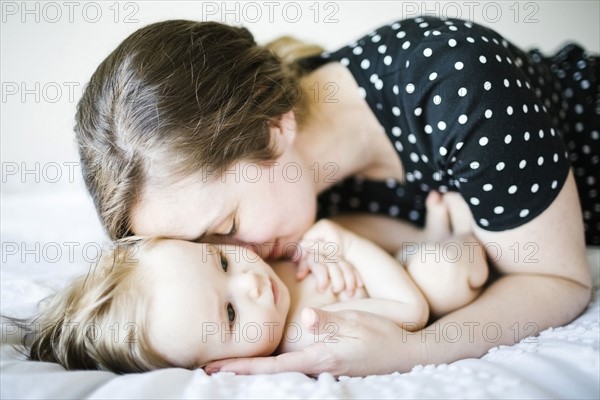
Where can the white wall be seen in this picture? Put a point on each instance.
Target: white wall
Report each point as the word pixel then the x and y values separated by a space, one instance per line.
pixel 50 49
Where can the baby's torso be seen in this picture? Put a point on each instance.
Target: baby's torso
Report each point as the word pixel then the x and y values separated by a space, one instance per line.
pixel 305 293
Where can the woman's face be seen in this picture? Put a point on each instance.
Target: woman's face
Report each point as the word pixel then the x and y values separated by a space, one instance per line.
pixel 266 206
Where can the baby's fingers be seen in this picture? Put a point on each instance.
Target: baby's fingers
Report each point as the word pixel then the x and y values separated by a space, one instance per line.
pixel 336 276
pixel 320 273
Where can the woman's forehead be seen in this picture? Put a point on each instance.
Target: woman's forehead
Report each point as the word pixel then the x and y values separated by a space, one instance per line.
pixel 182 211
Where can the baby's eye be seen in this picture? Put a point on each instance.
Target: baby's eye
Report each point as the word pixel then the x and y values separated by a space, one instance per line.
pixel 230 313
pixel 224 263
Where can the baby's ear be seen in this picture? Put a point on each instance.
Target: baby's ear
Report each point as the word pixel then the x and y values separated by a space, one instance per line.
pixel 283 131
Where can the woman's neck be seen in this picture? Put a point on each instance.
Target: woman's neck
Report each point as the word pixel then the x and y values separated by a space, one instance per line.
pixel 338 134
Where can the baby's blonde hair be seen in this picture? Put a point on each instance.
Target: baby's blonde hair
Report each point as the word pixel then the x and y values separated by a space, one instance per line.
pixel 98 320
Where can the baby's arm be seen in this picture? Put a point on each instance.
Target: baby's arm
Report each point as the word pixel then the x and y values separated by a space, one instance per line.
pixel 392 292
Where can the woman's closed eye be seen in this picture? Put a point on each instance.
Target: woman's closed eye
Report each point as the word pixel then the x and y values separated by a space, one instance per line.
pixel 233 229
pixel 224 262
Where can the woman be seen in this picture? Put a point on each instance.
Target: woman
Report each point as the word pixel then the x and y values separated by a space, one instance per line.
pixel 191 130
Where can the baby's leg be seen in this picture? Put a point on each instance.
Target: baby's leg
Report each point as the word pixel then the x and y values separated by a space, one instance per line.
pixel 450 273
pixel 451 268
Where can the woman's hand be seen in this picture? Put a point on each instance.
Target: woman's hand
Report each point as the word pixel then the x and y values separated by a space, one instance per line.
pixel 350 343
pixel 321 253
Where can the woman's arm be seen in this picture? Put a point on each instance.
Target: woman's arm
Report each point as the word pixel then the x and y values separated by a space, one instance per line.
pixel 530 297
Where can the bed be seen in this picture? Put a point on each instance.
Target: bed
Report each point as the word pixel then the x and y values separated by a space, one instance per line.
pixel 562 362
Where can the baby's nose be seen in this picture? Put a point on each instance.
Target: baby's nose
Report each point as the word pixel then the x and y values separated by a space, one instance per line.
pixel 252 284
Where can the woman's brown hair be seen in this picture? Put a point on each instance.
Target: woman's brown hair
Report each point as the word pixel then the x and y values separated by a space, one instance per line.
pixel 182 97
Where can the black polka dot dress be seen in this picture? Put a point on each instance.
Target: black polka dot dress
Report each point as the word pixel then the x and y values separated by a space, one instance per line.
pixel 468 111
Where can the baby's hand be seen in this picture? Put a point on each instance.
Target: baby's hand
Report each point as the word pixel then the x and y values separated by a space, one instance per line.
pixel 322 253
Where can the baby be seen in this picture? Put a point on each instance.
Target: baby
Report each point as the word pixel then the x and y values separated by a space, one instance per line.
pixel 156 303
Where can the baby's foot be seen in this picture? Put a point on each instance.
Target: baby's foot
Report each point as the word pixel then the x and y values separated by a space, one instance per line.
pixel 437 222
pixel 461 217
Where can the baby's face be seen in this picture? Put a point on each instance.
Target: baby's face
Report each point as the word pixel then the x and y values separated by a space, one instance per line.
pixel 211 302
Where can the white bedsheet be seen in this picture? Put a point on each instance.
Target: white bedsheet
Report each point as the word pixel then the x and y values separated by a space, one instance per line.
pixel 49 238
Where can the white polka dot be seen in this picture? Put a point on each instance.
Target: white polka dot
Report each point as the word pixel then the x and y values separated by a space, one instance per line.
pixel 398 145
pixel 376 39
pixel 555 157
pixel 487 85
pixel 396 111
pixel 474 165
pixel 362 92
pixel 428 129
pixel 498 210
pixel 396 131
pixel 443 151
pixel 394 211
pixel 432 76
pixel 484 39
pixel 482 59
pixel 512 189
pixel 400 34
pixel 474 201
pixel 487 187
pixel 462 92
pixel 345 62
pixel 357 50
pixel 451 42
pixel 410 88
pixel 387 60
pixel 395 89
pixel 424 158
pixel 488 113
pixel 470 40
pixel 500 166
pixel 483 222
pixel 459 145
pixel 554 184
pixel 498 58
pixel 379 84
pixel 522 164
pixel 507 139
pixel 534 188
pixel 427 52
pixel 365 64
pixel 459 65
pixel 524 213
pixel 525 108
pixel 412 138
pixel 405 45
pixel 483 141
pixel 441 125
pixel 462 119
pixel 509 110
pixel 541 133
pixel 437 99
pixel 506 83
pixel 381 49
pixel 540 160
pixel 414 157
pixel 418 111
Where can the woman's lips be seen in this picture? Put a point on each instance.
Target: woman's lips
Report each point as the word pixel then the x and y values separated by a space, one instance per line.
pixel 273 254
